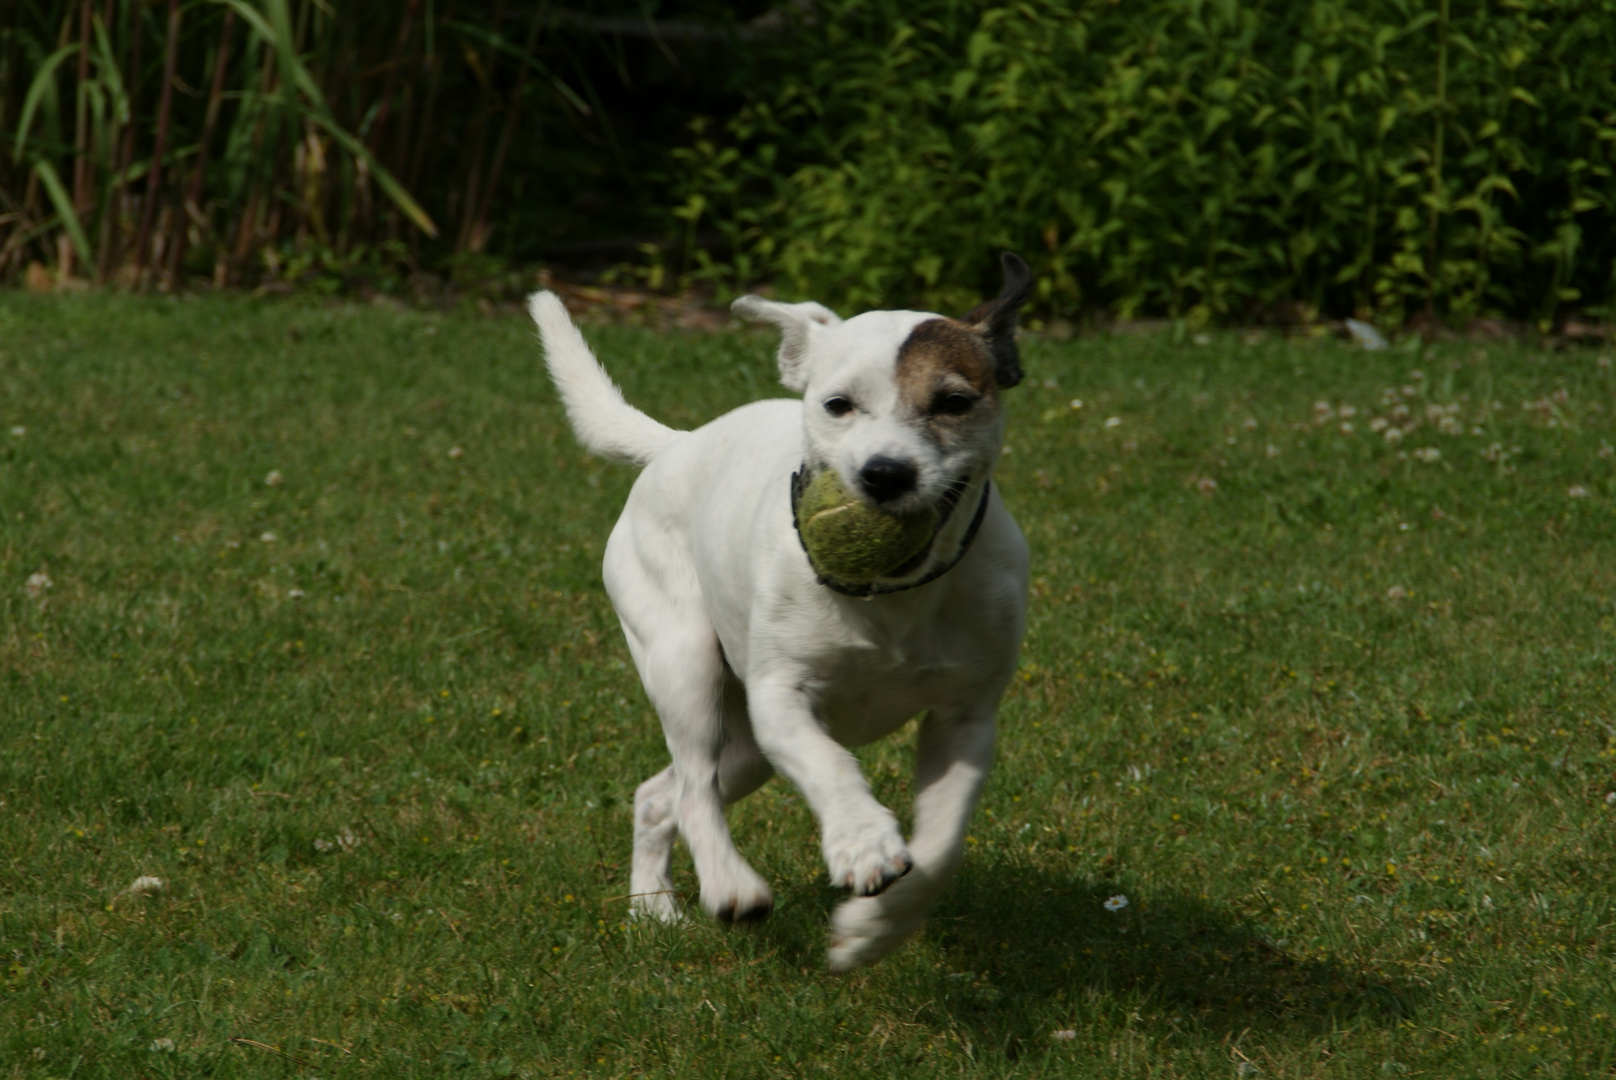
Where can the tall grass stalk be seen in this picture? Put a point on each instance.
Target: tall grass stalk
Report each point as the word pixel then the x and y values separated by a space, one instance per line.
pixel 147 142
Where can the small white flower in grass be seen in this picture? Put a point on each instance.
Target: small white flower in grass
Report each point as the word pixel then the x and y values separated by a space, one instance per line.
pixel 146 885
pixel 1113 421
pixel 1271 450
pixel 268 537
pixel 1076 404
pixel 274 479
pixel 1379 424
pixel 1064 1035
pixel 1206 485
pixel 1397 592
pixel 1394 435
pixel 1428 454
pixel 162 1046
pixel 1346 412
pixel 1346 428
pixel 343 841
pixel 1577 491
pixel 1249 424
pixel 18 431
pixel 1610 798
pixel 1116 903
pixel 455 451
pixel 37 583
pixel 295 594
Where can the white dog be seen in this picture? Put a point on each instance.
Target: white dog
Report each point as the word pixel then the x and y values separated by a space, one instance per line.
pixel 755 662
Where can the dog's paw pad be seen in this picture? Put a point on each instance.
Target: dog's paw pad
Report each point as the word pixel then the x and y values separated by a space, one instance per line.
pixel 868 860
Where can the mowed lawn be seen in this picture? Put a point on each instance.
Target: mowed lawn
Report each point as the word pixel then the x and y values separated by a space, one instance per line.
pixel 300 612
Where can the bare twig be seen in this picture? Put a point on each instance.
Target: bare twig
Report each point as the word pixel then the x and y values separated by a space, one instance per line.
pixel 154 177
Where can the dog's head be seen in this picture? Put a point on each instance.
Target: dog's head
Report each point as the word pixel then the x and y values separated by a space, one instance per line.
pixel 903 404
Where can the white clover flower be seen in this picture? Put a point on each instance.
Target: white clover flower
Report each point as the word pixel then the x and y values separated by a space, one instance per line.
pixel 1076 404
pixel 36 584
pixel 1428 454
pixel 1394 435
pixel 146 885
pixel 455 451
pixel 1610 798
pixel 161 1046
pixel 1346 428
pixel 18 431
pixel 1116 903
pixel 274 479
pixel 1113 421
pixel 1064 1035
pixel 1577 491
pixel 268 537
pixel 1249 423
pixel 1397 592
pixel 295 594
pixel 1206 485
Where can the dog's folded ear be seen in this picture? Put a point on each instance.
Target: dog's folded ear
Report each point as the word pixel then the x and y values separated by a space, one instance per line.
pixel 996 319
pixel 797 323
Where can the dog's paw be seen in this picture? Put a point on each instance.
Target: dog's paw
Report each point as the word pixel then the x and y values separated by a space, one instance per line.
pixel 863 930
pixel 867 856
pixel 657 906
pixel 741 896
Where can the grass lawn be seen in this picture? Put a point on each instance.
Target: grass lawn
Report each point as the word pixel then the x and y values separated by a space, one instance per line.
pixel 300 612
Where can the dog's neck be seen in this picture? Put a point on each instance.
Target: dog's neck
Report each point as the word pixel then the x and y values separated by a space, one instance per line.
pixel 896 582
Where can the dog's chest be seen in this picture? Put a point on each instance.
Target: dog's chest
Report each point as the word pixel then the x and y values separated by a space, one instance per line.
pixel 865 690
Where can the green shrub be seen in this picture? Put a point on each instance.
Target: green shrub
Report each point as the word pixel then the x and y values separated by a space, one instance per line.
pixel 1206 159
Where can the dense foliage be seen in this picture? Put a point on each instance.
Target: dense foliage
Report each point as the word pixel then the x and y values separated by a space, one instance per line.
pixel 1203 158
pixel 319 142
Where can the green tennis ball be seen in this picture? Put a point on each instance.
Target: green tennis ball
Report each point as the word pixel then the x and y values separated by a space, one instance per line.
pixel 850 540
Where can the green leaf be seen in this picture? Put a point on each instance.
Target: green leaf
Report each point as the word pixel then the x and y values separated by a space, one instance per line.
pixel 37 88
pixel 64 207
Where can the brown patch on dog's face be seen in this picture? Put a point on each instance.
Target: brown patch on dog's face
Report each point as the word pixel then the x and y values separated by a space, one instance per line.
pixel 945 373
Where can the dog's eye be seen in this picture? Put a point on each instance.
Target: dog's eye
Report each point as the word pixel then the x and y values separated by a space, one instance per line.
pixel 953 404
pixel 838 406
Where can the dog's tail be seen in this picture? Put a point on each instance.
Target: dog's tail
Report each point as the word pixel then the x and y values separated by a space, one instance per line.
pixel 605 423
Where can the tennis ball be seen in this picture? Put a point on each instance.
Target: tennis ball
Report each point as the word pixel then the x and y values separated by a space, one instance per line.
pixel 850 540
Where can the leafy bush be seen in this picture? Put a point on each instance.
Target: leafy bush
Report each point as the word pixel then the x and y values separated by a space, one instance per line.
pixel 1206 159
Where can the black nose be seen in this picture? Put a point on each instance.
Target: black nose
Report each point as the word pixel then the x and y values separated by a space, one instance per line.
pixel 887 478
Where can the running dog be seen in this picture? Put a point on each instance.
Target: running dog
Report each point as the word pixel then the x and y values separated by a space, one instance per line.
pixel 755 662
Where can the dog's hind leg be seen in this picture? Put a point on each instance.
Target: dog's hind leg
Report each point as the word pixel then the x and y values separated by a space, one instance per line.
pixel 682 668
pixel 654 826
pixel 742 769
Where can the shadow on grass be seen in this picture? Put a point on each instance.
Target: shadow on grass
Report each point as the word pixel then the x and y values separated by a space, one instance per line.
pixel 1026 953
pixel 1025 947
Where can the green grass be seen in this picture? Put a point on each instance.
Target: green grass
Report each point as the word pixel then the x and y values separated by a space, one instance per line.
pixel 1340 726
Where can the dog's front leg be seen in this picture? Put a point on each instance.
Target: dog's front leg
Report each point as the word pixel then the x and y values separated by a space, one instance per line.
pixel 953 758
pixel 863 846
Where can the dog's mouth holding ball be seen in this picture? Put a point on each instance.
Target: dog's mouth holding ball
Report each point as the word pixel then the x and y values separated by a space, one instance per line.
pixel 861 548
